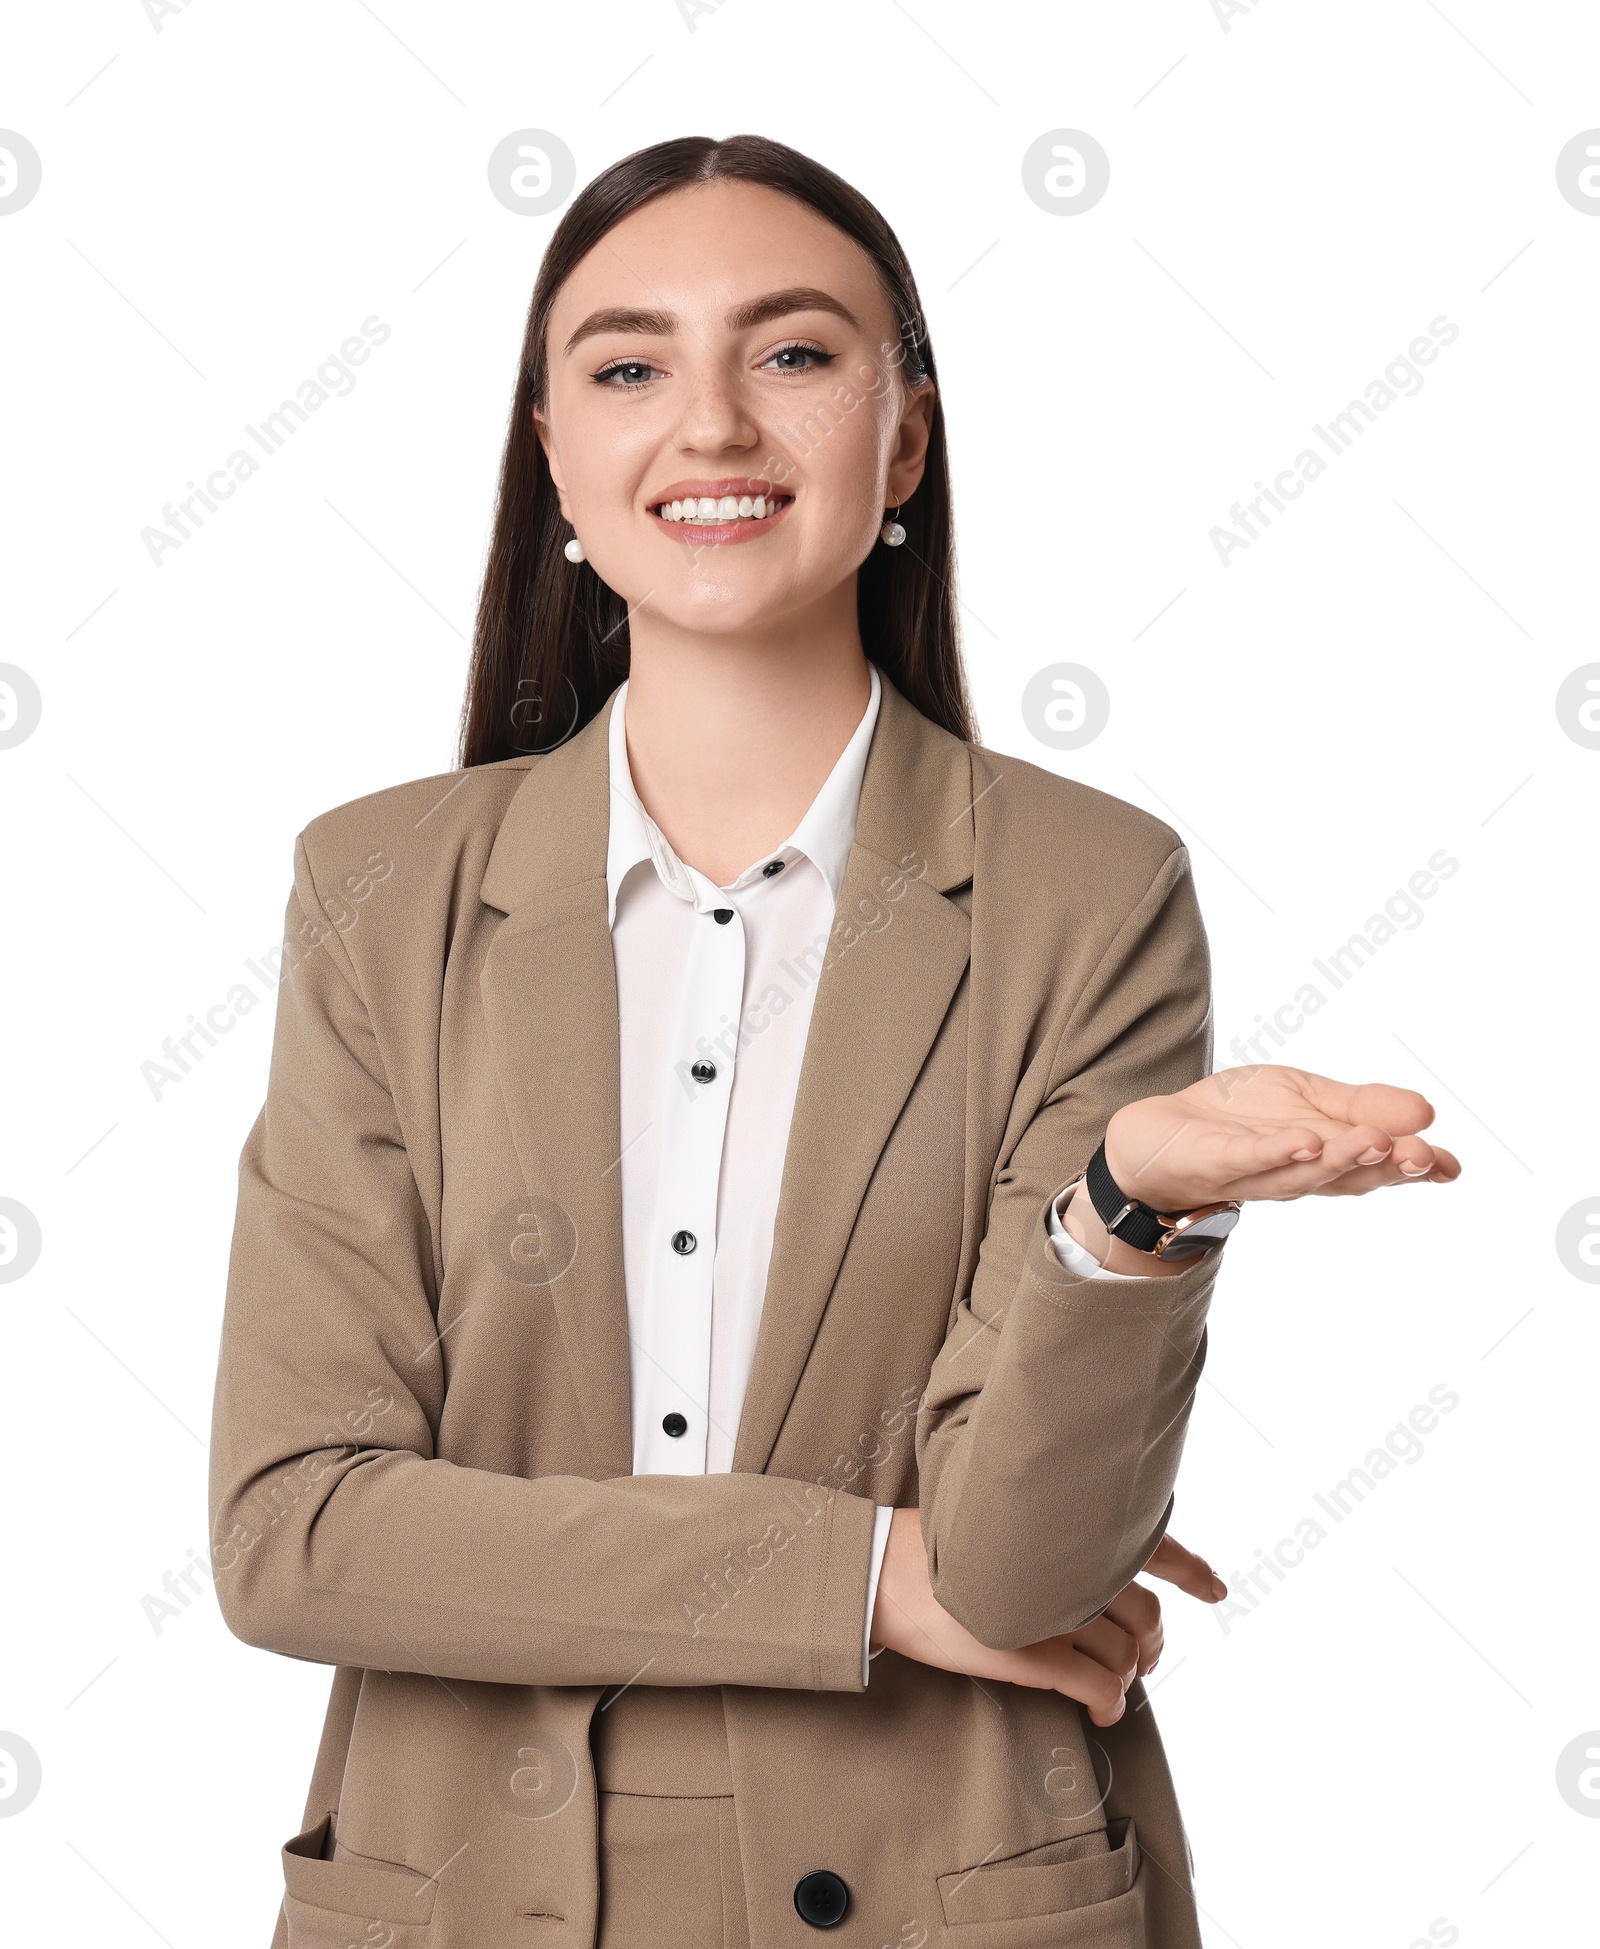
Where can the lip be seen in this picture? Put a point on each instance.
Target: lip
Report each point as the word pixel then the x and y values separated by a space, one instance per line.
pixel 741 484
pixel 722 534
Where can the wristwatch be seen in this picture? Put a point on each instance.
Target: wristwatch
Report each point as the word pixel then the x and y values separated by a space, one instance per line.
pixel 1169 1235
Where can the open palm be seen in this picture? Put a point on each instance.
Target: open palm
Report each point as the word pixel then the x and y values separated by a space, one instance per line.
pixel 1266 1131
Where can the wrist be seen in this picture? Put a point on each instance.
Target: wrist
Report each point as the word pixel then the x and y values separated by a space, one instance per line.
pixel 1138 1174
pixel 902 1581
pixel 1169 1234
pixel 1084 1224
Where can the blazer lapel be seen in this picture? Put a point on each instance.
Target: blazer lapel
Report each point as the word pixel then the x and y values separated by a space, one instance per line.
pixel 885 988
pixel 550 1002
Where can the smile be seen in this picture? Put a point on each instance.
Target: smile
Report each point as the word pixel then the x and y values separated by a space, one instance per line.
pixel 717 512
pixel 707 510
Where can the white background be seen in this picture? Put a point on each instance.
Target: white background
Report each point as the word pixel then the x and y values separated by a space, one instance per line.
pixel 1294 196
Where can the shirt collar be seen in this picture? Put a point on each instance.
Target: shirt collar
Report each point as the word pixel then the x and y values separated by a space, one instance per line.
pixel 824 835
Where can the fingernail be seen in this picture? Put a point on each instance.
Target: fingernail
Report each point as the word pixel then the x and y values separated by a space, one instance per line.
pixel 1302 1156
pixel 1372 1155
pixel 1218 1588
pixel 1414 1170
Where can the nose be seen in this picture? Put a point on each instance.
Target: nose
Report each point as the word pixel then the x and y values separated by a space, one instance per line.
pixel 715 417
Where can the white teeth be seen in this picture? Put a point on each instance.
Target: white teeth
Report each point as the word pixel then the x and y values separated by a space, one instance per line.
pixel 709 510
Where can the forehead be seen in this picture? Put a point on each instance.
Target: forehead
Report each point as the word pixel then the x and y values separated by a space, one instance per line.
pixel 696 252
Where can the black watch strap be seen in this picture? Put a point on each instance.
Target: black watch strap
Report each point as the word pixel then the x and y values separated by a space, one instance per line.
pixel 1136 1224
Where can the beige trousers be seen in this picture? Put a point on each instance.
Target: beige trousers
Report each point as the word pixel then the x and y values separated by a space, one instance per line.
pixel 669 1847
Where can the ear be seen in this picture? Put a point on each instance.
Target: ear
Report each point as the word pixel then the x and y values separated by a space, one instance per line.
pixel 909 454
pixel 541 427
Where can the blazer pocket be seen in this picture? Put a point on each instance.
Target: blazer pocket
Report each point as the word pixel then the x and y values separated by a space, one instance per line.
pixel 351 1904
pixel 1104 1888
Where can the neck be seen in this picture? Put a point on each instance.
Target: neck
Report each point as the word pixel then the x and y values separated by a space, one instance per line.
pixel 730 738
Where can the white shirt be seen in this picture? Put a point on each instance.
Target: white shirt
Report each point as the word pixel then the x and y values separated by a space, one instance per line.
pixel 713 1015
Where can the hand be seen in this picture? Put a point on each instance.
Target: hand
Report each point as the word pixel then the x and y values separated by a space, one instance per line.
pixel 1094 1665
pixel 1267 1131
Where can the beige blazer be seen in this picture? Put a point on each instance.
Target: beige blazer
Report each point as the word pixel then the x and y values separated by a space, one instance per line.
pixel 421 1461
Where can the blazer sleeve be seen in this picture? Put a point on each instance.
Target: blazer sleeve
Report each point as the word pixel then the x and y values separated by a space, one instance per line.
pixel 338 1535
pixel 1050 1433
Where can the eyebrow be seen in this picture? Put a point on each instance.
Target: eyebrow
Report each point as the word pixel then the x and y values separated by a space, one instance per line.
pixel 754 311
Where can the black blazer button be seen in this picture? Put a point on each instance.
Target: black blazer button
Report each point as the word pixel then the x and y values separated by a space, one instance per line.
pixel 821 1899
pixel 722 915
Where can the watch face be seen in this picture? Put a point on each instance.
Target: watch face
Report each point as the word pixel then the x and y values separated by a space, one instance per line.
pixel 1218 1225
pixel 1200 1235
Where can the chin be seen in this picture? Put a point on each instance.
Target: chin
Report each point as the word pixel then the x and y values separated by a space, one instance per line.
pixel 725 608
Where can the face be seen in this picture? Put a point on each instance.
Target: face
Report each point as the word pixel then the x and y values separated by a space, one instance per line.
pixel 727 418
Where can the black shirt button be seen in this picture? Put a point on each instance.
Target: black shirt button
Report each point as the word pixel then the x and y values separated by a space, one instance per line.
pixel 821 1899
pixel 675 1425
pixel 683 1243
pixel 722 915
pixel 772 866
pixel 703 1072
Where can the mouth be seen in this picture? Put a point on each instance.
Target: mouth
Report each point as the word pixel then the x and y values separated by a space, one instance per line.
pixel 719 511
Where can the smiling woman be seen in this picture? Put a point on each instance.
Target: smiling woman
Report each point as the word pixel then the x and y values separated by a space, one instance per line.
pixel 672 283
pixel 763 1152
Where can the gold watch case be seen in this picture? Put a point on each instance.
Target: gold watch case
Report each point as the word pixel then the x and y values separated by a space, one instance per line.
pixel 1182 1223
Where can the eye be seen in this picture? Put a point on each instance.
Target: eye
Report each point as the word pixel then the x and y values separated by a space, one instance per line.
pixel 625 374
pixel 797 358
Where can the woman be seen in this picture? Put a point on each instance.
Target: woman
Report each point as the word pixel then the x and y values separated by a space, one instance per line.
pixel 676 1366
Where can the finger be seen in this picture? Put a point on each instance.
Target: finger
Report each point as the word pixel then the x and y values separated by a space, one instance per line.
pixel 1360 1146
pixel 1360 1158
pixel 1138 1612
pixel 1080 1677
pixel 1413 1160
pixel 1301 1157
pixel 1109 1645
pixel 1173 1564
pixel 1399 1111
pixel 1244 1153
pixel 1444 1168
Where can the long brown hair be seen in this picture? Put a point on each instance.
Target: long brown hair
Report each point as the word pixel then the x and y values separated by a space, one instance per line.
pixel 551 641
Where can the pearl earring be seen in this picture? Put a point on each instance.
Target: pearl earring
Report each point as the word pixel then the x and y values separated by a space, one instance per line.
pixel 574 550
pixel 891 531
